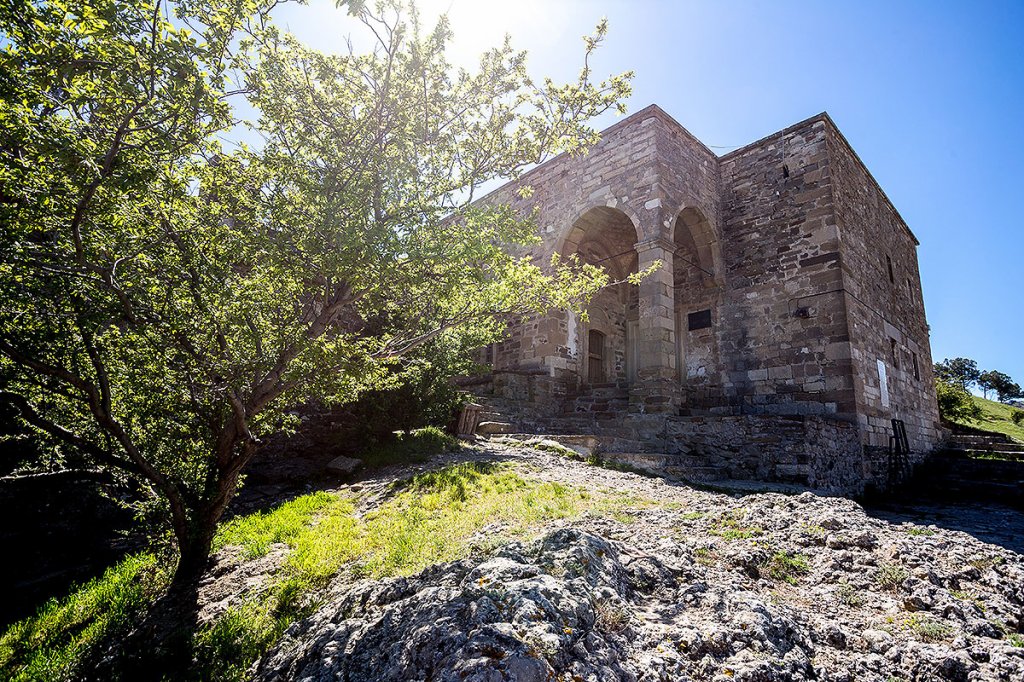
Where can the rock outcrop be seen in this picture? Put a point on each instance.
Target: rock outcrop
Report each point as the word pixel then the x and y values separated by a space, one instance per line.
pixel 689 585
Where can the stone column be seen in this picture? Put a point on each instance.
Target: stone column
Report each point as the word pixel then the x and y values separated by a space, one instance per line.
pixel 657 386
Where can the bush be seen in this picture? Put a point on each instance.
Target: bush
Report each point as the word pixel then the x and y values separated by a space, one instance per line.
pixel 955 403
pixel 403 448
pixel 1017 416
pixel 415 394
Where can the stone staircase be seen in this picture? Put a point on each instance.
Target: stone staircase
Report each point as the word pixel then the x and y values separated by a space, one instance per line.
pixel 993 445
pixel 598 424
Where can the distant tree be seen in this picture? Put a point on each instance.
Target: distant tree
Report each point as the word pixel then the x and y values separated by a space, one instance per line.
pixel 962 371
pixel 1005 387
pixel 986 382
pixel 955 403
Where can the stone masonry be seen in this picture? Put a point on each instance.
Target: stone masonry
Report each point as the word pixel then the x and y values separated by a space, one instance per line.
pixel 779 339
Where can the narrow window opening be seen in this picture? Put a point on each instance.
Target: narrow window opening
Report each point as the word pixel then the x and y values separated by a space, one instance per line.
pixel 698 320
pixel 595 356
pixel 892 274
pixel 917 368
pixel 895 354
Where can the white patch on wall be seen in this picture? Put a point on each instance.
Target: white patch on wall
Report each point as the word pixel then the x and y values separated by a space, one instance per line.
pixel 883 384
pixel 572 341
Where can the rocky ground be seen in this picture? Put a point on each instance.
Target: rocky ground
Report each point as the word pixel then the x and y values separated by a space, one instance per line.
pixel 692 584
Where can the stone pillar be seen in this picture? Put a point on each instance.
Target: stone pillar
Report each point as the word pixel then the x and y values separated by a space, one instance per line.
pixel 656 389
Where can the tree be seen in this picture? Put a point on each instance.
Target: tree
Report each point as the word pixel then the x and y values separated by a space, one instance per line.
pixel 167 298
pixel 1004 385
pixel 962 371
pixel 986 382
pixel 955 404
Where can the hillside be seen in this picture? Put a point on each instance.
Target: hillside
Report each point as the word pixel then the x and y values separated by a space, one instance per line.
pixel 996 417
pixel 503 562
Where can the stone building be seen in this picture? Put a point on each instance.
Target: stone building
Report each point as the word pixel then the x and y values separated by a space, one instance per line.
pixel 781 337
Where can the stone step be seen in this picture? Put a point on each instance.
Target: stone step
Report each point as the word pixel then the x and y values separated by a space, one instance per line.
pixel 674 466
pixel 990 447
pixel 490 428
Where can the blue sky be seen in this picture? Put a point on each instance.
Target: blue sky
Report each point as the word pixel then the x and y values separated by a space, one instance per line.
pixel 930 94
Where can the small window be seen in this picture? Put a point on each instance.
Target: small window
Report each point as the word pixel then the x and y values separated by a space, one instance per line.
pixel 892 274
pixel 698 320
pixel 917 369
pixel 595 356
pixel 489 354
pixel 895 354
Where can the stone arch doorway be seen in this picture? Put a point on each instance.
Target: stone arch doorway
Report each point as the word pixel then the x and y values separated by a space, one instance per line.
pixel 696 276
pixel 607 237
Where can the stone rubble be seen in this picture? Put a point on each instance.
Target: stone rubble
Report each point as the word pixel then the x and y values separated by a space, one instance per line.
pixel 687 585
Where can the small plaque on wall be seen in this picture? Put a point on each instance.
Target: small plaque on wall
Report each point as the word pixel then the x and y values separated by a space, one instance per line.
pixel 698 320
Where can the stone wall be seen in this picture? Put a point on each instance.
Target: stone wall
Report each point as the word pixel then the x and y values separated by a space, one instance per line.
pixel 882 290
pixel 820 452
pixel 783 333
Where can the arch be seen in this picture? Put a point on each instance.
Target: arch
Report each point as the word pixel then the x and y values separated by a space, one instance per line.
pixel 607 236
pixel 693 233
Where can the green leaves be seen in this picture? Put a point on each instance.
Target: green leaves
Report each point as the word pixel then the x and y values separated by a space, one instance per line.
pixel 168 300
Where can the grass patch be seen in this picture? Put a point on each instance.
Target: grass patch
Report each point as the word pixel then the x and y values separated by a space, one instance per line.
pixel 984 563
pixel 53 644
pixel 431 518
pixel 849 595
pixel 918 530
pixel 786 567
pixel 256 533
pixel 409 447
pixel 996 417
pixel 926 628
pixel 1016 640
pixel 891 576
pixel 733 526
pixel 434 517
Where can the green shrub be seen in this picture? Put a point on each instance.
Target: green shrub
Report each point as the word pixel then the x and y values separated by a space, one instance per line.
pixel 414 446
pixel 787 567
pixel 955 403
pixel 1017 417
pixel 891 576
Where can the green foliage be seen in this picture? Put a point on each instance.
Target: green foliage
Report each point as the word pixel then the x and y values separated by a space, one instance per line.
pixel 955 403
pixel 734 526
pixel 786 566
pixel 1016 640
pixel 926 628
pixel 1017 417
pixel 255 533
pixel 415 394
pixel 1003 384
pixel 414 446
pixel 963 372
pixel 432 518
pixel 849 595
pixel 54 643
pixel 993 416
pixel 167 298
pixel 891 576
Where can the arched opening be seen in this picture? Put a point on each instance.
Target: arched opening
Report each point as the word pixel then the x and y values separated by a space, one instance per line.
pixel 696 275
pixel 606 237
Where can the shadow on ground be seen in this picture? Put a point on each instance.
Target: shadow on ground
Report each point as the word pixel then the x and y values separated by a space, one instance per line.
pixel 993 523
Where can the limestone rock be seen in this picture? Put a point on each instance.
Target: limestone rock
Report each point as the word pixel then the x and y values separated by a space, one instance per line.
pixel 343 466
